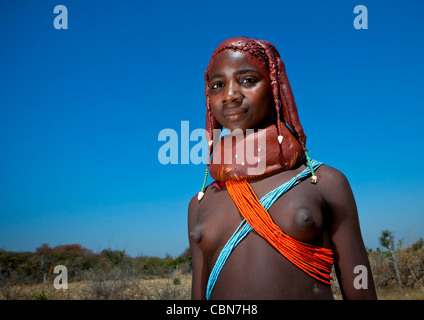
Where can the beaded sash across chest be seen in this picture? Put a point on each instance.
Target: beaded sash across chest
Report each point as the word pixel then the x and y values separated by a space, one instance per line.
pixel 313 260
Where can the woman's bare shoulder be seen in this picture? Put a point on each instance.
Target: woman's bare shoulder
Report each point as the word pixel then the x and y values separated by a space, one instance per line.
pixel 195 204
pixel 333 184
pixel 193 208
pixel 331 177
pixel 336 191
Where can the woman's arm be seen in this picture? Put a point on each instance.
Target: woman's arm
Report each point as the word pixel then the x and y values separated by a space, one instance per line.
pixel 351 259
pixel 199 262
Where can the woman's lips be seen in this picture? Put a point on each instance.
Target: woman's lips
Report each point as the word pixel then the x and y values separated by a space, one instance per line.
pixel 234 115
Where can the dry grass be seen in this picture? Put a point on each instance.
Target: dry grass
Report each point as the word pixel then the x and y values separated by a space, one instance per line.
pixel 175 287
pixel 406 294
pixel 166 289
pixel 128 284
pixel 394 294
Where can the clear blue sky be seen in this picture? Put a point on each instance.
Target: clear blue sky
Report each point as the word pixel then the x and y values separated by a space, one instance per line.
pixel 81 110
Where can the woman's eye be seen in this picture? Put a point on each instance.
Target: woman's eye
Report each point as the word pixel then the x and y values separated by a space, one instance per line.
pixel 216 85
pixel 249 80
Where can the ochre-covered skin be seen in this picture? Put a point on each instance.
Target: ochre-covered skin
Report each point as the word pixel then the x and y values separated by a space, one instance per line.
pixel 229 164
pixel 266 55
pixel 322 214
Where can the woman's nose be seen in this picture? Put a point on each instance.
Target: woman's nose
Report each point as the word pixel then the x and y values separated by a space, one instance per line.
pixel 231 93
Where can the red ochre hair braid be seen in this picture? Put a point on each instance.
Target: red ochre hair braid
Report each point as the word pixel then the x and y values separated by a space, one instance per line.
pixel 283 96
pixel 281 90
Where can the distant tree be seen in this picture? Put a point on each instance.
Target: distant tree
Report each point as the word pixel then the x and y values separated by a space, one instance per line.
pixel 384 238
pixel 417 245
pixel 387 241
pixel 186 255
pixel 115 257
pixel 43 249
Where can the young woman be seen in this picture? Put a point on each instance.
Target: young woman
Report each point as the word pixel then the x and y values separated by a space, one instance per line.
pixel 271 229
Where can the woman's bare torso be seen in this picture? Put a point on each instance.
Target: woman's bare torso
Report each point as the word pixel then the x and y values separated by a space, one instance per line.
pixel 255 270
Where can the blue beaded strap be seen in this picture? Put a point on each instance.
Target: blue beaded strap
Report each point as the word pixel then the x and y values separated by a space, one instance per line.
pixel 244 228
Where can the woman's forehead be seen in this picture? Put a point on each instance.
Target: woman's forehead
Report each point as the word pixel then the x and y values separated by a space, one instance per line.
pixel 236 59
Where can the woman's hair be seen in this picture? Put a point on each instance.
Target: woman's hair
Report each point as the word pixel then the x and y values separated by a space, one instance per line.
pixel 285 105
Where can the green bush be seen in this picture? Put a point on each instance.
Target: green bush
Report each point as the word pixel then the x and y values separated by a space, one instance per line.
pixel 41 296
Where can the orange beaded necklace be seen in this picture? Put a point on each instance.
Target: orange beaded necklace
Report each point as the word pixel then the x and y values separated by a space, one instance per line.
pixel 315 261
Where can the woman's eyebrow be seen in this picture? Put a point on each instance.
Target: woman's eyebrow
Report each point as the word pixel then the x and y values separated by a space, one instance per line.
pixel 216 75
pixel 240 71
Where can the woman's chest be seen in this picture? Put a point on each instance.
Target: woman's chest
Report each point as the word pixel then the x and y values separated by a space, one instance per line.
pixel 299 213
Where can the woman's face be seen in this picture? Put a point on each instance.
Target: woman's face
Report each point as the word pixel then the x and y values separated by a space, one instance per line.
pixel 240 92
